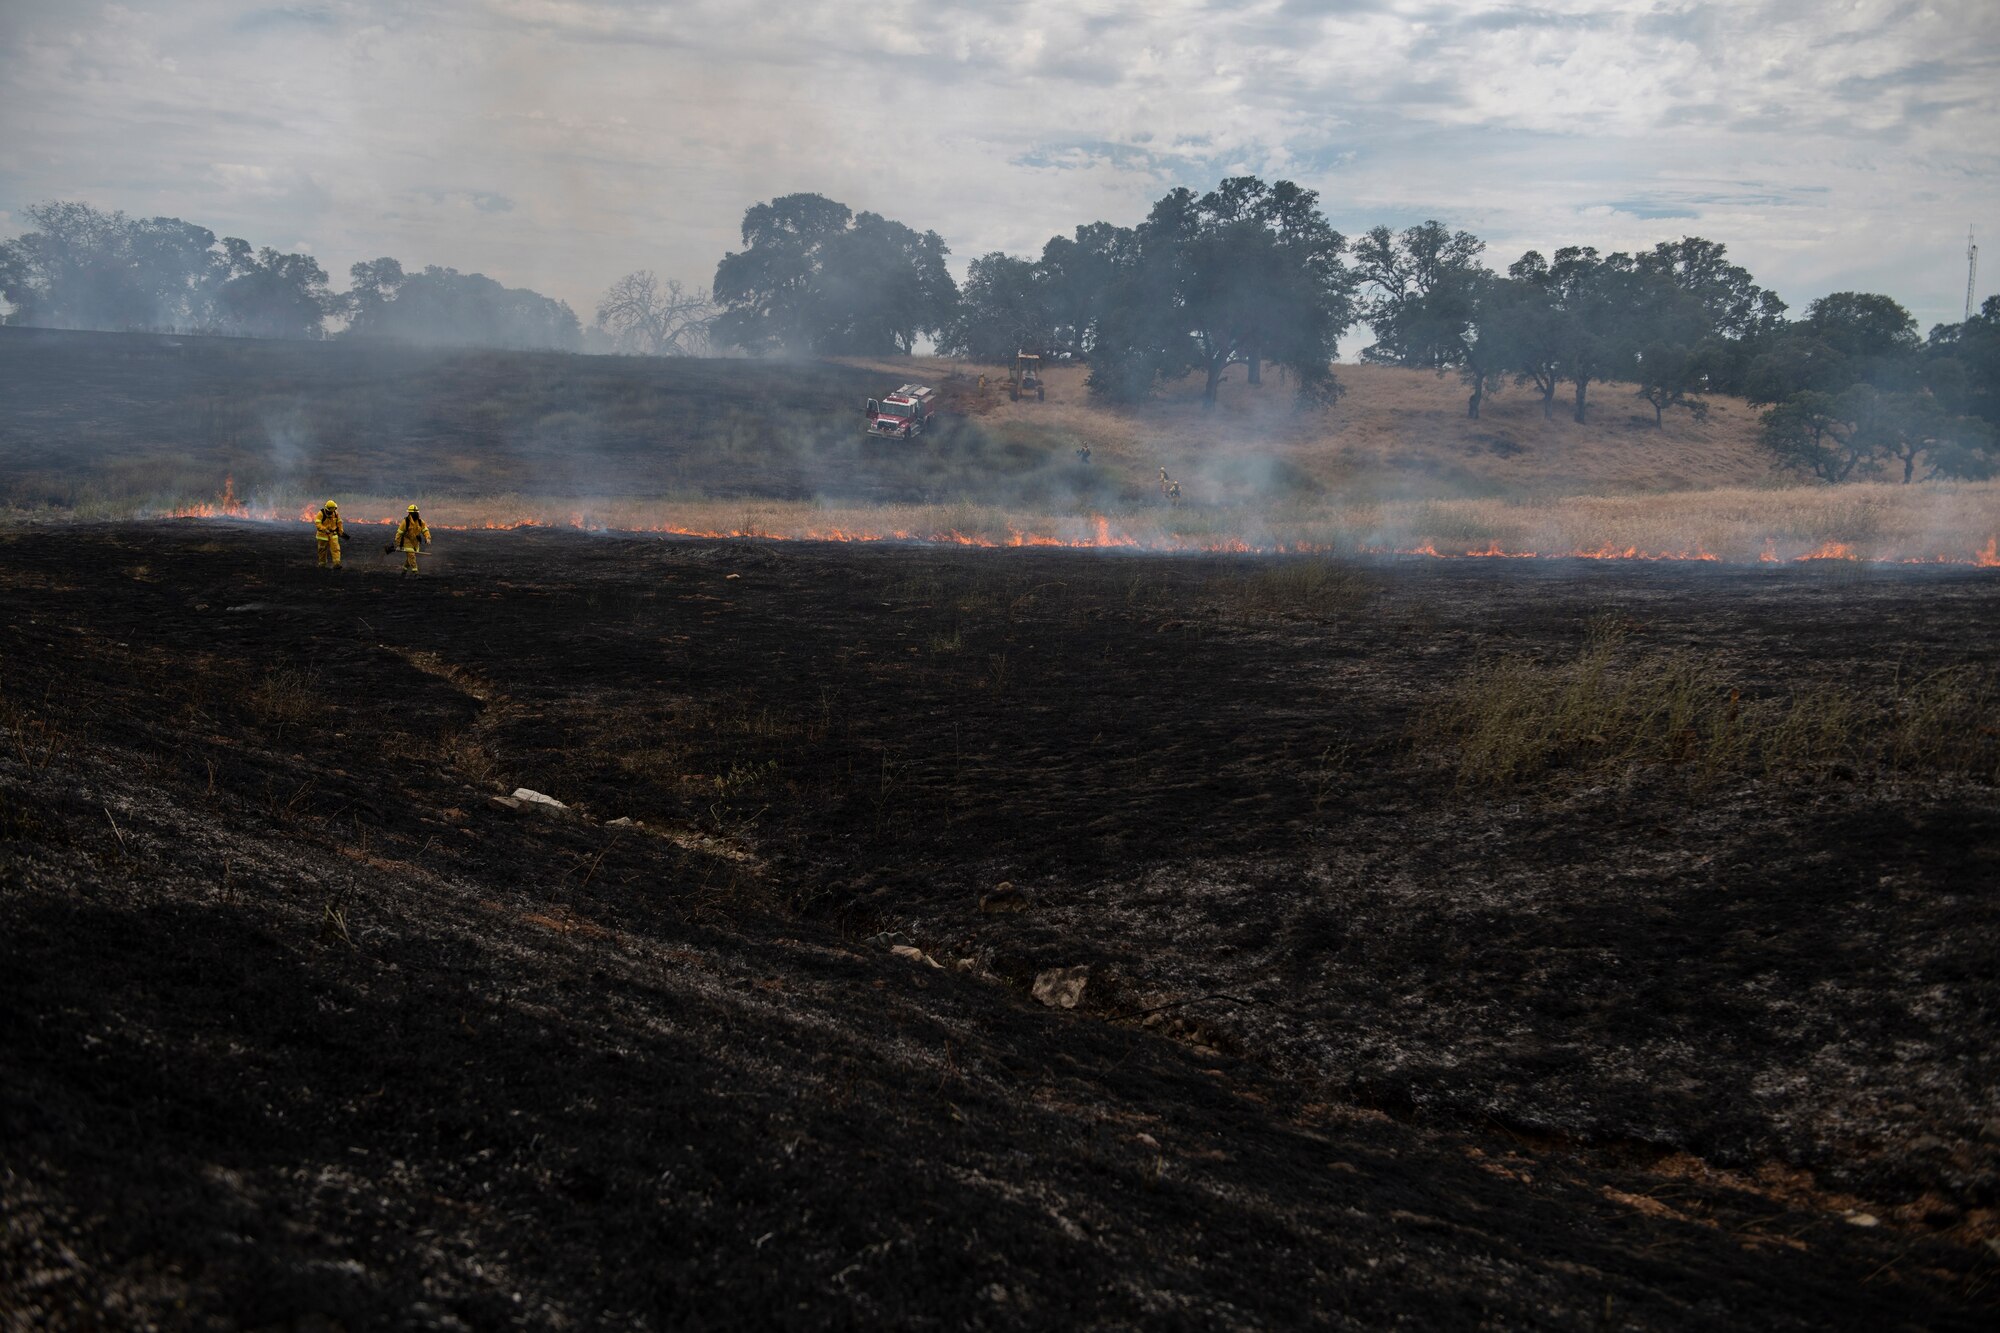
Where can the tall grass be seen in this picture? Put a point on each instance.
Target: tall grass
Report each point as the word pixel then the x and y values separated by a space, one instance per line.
pixel 1515 720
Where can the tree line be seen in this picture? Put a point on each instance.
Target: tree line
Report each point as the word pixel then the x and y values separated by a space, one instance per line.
pixel 1252 274
pixel 1249 274
pixel 81 268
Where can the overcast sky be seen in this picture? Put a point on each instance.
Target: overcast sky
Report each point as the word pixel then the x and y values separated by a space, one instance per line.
pixel 556 144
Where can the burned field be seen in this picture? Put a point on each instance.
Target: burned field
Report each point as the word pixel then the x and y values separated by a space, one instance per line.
pixel 1580 945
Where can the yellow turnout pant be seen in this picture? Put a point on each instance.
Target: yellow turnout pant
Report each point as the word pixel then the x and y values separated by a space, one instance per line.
pixel 329 550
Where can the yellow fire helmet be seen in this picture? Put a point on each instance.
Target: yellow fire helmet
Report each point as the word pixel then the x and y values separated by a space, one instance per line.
pixel 332 504
pixel 413 509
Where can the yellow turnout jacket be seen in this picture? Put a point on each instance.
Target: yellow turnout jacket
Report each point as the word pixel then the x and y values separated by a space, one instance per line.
pixel 411 533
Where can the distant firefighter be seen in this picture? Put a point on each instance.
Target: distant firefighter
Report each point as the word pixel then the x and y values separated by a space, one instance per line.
pixel 327 532
pixel 411 537
pixel 1083 453
pixel 1170 490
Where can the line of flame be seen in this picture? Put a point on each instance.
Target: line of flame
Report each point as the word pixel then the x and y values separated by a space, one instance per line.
pixel 1103 536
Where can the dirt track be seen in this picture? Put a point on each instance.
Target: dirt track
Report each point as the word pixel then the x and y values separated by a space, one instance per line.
pixel 299 1022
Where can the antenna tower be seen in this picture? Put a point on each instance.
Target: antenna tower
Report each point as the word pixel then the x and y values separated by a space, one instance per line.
pixel 1971 270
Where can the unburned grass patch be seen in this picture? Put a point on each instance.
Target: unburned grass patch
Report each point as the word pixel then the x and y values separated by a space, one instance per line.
pixel 1516 720
pixel 288 697
pixel 1308 586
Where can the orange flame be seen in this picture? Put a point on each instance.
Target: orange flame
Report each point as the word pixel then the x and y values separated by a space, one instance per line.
pixel 1099 534
pixel 226 505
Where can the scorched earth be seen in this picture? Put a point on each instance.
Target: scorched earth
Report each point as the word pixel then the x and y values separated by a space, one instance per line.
pixel 990 938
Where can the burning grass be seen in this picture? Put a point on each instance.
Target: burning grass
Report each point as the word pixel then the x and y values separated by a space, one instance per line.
pixel 115 426
pixel 1610 708
pixel 1860 523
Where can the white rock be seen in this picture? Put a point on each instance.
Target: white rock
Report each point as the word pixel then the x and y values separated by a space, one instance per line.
pixel 524 794
pixel 914 954
pixel 1863 1220
pixel 1061 987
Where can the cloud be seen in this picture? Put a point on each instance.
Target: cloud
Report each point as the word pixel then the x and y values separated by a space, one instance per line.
pixel 310 16
pixel 479 201
pixel 559 143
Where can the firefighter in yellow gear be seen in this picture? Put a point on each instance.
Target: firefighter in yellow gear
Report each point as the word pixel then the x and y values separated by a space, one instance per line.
pixel 411 536
pixel 327 532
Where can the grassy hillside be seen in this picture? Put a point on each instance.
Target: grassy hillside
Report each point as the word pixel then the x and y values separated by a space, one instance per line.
pixel 1395 432
pixel 108 416
pixel 108 419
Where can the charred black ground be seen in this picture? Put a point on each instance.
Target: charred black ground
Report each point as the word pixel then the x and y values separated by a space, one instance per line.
pixel 299 1023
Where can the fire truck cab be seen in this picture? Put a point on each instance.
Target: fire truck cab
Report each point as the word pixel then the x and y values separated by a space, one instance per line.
pixel 903 414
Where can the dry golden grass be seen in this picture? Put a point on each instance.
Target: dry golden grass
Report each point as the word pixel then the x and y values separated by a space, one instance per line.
pixel 1859 521
pixel 1396 432
pixel 1515 720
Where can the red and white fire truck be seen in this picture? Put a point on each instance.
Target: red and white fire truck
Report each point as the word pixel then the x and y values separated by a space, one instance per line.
pixel 903 414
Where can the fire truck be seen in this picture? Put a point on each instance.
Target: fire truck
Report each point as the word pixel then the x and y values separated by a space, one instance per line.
pixel 903 414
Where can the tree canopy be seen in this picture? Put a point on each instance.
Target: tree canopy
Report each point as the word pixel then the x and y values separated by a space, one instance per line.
pixel 814 276
pixel 1249 272
pixel 1005 307
pixel 81 268
pixel 1420 281
pixel 444 306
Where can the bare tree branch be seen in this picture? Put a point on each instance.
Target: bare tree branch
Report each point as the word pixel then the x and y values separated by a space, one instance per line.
pixel 646 319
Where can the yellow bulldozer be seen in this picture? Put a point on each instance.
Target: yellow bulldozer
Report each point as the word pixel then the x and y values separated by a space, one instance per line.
pixel 1026 377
